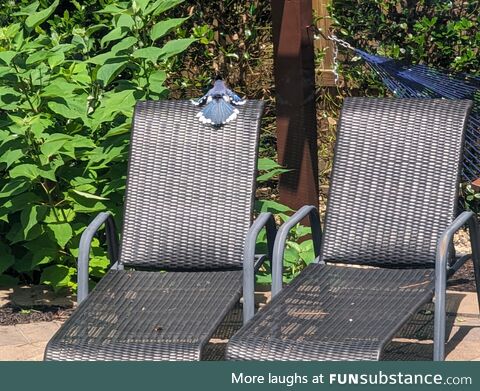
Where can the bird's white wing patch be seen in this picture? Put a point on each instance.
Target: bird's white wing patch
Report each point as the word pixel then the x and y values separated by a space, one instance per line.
pixel 200 101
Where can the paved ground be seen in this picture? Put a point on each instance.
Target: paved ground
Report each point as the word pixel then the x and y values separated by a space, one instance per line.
pixel 414 342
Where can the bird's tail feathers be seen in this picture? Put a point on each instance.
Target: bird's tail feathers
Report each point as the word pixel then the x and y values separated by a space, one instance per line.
pixel 218 112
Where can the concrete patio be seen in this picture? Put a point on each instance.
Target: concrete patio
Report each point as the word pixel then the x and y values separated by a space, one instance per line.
pixel 26 342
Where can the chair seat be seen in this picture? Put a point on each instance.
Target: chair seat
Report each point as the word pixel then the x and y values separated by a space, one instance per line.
pixel 140 315
pixel 332 312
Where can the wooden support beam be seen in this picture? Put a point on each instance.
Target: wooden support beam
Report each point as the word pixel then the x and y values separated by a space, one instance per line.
pixel 295 101
pixel 325 73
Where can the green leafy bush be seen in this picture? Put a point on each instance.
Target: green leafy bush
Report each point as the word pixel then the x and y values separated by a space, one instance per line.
pixel 67 94
pixel 441 34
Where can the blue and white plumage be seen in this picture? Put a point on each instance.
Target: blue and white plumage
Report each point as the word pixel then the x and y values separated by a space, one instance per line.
pixel 219 104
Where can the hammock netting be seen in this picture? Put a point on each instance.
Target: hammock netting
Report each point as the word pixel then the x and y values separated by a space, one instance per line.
pixel 421 81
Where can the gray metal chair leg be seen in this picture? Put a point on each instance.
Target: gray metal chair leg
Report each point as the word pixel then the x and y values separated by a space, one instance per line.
pixel 440 308
pixel 441 264
pixel 475 240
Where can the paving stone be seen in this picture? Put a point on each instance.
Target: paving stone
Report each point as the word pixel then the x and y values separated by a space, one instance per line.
pixel 39 331
pixel 9 335
pixel 463 344
pixel 466 303
pixel 29 352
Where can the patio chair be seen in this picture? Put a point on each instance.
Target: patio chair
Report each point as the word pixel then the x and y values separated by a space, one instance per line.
pixel 387 244
pixel 188 209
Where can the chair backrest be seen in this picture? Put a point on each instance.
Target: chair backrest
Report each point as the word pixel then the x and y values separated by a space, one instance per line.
pixel 395 180
pixel 190 187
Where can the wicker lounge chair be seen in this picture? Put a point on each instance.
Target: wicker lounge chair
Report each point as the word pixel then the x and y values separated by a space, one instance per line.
pixel 188 209
pixel 391 210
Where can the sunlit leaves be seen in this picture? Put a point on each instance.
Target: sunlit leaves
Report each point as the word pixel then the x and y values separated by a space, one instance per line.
pixel 39 17
pixel 164 27
pixel 67 95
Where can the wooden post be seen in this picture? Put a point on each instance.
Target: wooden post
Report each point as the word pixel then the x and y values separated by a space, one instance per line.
pixel 295 101
pixel 326 76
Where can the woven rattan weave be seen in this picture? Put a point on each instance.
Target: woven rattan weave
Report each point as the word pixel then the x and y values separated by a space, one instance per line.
pixel 189 187
pixel 189 203
pixel 333 313
pixel 134 315
pixel 394 182
pixel 393 194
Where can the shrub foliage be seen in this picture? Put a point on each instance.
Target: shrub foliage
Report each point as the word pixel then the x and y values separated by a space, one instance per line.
pixel 68 86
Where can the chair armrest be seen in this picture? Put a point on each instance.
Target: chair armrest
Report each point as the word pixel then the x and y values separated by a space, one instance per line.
pixel 263 220
pixel 85 245
pixel 441 266
pixel 281 242
pixel 446 238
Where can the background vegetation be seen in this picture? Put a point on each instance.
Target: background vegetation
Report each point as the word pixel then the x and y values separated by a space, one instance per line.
pixel 71 71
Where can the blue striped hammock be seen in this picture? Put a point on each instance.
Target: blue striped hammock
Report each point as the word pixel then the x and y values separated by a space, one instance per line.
pixel 421 81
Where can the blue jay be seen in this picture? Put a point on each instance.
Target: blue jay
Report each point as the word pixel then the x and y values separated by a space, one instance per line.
pixel 218 103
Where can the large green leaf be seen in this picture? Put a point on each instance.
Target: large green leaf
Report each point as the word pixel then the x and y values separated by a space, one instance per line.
pixel 9 98
pixel 265 164
pixel 41 16
pixel 59 87
pixel 39 123
pixel 111 69
pixel 31 216
pixel 140 4
pixel 156 80
pixel 42 256
pixel 56 58
pixel 125 20
pixel 164 27
pixel 37 56
pixel 112 104
pixel 11 156
pixel 125 43
pixel 14 187
pixel 151 53
pixel 62 232
pixel 161 6
pixel 98 266
pixel 16 234
pixel 114 35
pixel 101 58
pixel 28 9
pixel 120 101
pixel 29 171
pixel 111 9
pixel 58 276
pixel 53 143
pixel 83 204
pixel 7 56
pixel 71 108
pixel 171 48
pixel 176 46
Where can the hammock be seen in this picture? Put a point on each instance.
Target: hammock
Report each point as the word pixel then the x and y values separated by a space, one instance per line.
pixel 421 81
